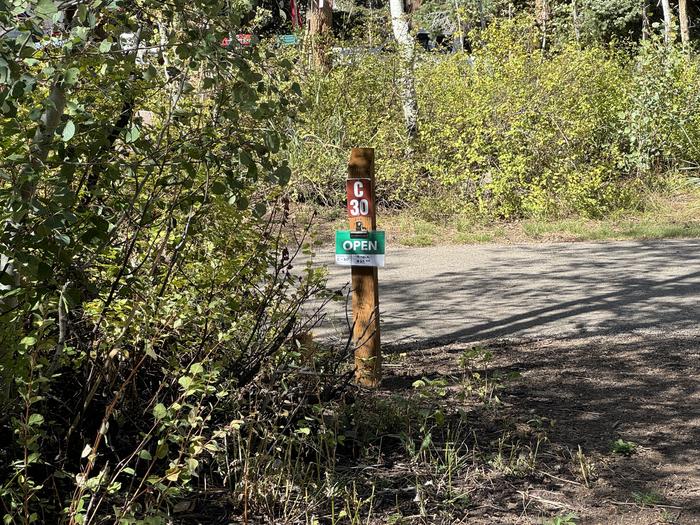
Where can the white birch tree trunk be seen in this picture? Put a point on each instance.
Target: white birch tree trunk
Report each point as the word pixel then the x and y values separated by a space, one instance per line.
pixel 666 6
pixel 574 20
pixel 542 16
pixel 399 24
pixel 646 31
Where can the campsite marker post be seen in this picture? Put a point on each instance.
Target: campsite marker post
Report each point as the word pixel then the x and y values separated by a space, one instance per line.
pixel 362 248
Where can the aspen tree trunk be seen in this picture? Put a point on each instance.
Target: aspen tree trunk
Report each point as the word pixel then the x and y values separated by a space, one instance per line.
pixel 574 20
pixel 666 6
pixel 683 16
pixel 542 15
pixel 401 29
pixel 320 27
pixel 482 16
pixel 646 32
pixel 460 29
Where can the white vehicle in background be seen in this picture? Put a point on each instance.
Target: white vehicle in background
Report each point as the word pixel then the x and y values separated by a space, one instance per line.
pixel 129 42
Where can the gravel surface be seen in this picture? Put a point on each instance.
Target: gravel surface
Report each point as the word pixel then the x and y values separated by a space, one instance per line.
pixel 603 339
pixel 562 290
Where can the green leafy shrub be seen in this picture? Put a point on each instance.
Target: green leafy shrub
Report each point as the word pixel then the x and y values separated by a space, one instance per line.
pixel 355 104
pixel 508 131
pixel 625 448
pixel 149 309
pixel 517 133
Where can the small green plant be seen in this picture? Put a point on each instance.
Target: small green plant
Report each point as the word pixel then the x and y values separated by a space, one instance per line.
pixel 355 505
pixel 473 356
pixel 516 459
pixel 625 448
pixel 431 388
pixel 669 517
pixel 395 519
pixel 483 383
pixel 565 519
pixel 646 499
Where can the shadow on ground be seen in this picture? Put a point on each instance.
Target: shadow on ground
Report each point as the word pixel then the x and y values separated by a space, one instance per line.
pixel 592 392
pixel 604 340
pixel 537 290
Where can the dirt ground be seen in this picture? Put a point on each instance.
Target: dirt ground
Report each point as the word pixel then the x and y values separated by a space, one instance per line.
pixel 565 431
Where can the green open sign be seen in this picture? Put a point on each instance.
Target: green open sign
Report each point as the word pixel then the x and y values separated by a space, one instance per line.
pixel 359 249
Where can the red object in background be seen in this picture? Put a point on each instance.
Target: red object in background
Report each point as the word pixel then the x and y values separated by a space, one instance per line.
pixel 244 39
pixel 297 22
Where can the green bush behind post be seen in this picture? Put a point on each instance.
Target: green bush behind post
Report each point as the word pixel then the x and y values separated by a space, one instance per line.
pixel 508 132
pixel 532 134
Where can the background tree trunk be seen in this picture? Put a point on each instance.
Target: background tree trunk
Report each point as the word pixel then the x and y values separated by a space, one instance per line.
pixel 542 15
pixel 401 29
pixel 482 16
pixel 646 32
pixel 320 30
pixel 683 20
pixel 666 6
pixel 574 21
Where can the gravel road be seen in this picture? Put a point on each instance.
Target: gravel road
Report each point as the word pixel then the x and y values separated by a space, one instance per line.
pixel 558 290
pixel 602 339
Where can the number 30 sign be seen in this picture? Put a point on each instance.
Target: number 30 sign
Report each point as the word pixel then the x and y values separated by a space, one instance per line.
pixel 359 197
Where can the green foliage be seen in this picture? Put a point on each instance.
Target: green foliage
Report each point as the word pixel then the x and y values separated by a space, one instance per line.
pixel 533 138
pixel 646 499
pixel 661 126
pixel 357 103
pixel 469 358
pixel 509 131
pixel 603 20
pixel 148 300
pixel 624 448
pixel 565 519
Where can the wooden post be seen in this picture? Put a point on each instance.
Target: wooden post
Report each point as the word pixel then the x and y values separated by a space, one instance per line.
pixel 365 287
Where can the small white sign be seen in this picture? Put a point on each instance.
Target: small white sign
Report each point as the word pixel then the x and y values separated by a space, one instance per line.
pixel 347 259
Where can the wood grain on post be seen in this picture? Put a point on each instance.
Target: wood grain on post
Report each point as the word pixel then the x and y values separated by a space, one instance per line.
pixel 365 286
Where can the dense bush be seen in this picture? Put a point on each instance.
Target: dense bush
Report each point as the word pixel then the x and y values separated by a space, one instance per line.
pixel 516 133
pixel 356 104
pixel 508 131
pixel 151 327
